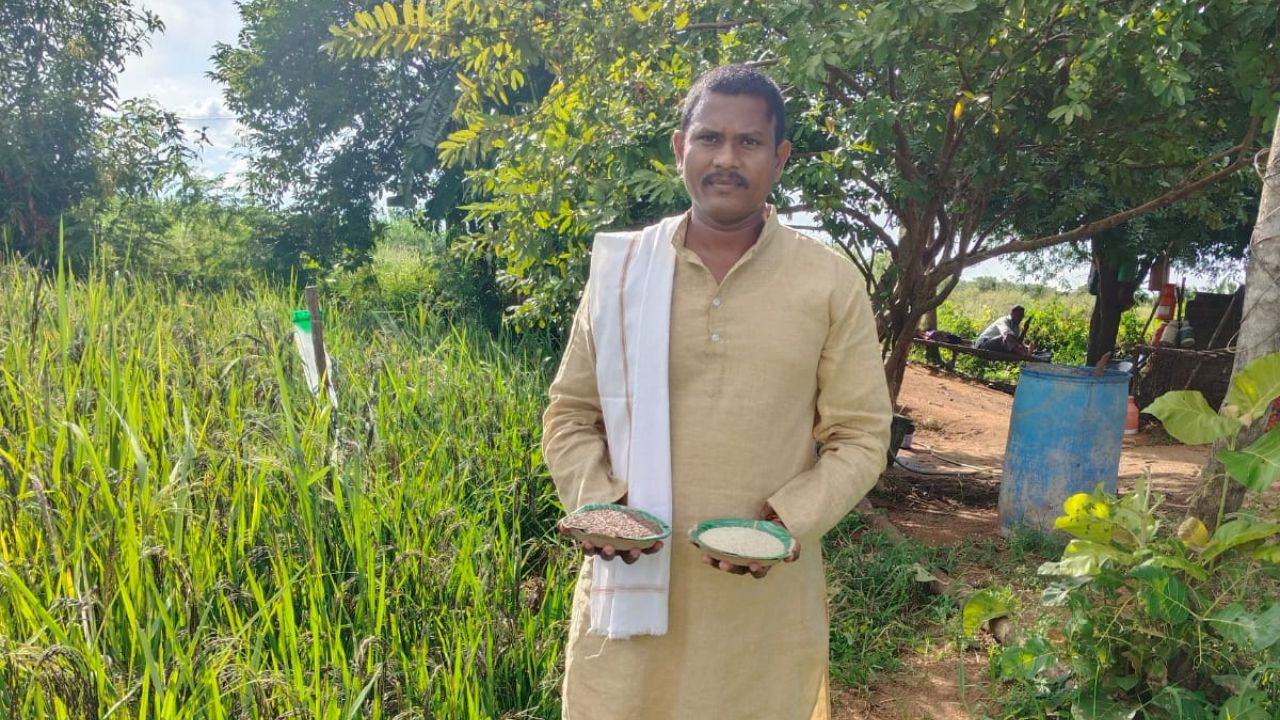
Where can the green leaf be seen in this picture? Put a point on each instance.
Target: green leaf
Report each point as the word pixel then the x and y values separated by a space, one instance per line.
pixel 1058 593
pixel 1095 703
pixel 1268 553
pixel 1257 466
pixel 1248 705
pixel 1247 630
pixel 1027 660
pixel 638 13
pixel 1187 416
pixel 983 606
pixel 1182 704
pixel 1164 594
pixel 1253 389
pixel 1075 566
pixel 1238 532
pixel 682 20
pixel 1174 562
pixel 1099 550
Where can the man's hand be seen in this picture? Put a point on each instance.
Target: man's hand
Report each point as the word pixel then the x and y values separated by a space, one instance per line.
pixel 755 569
pixel 608 552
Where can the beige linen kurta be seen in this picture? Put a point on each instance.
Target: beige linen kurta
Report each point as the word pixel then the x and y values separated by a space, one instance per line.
pixel 782 353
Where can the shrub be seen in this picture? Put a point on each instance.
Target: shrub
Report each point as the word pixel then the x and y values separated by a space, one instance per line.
pixel 1158 624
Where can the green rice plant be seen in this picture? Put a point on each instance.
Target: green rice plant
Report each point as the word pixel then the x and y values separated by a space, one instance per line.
pixel 186 533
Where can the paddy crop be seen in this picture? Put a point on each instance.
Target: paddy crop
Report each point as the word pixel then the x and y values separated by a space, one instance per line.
pixel 186 533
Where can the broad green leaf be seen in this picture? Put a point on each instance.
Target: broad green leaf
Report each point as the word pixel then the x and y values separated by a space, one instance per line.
pixel 1253 389
pixel 1060 591
pixel 1027 660
pixel 1250 631
pixel 682 20
pixel 1238 532
pixel 1164 594
pixel 1257 466
pixel 1100 551
pixel 638 13
pixel 1176 563
pixel 983 606
pixel 1248 705
pixel 1187 416
pixel 1268 627
pixel 1074 566
pixel 1268 553
pixel 1183 704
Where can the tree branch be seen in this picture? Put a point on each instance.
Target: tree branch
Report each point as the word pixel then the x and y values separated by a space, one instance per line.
pixel 724 25
pixel 866 221
pixel 1120 218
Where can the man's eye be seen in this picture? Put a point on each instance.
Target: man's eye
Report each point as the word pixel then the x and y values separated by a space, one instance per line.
pixel 750 141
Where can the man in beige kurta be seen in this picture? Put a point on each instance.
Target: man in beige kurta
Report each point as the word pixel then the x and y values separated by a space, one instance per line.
pixel 768 354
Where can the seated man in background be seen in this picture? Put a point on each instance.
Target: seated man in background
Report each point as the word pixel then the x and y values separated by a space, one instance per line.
pixel 1005 335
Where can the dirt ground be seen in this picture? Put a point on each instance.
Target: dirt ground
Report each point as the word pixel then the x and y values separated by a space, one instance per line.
pixel 961 429
pixel 969 423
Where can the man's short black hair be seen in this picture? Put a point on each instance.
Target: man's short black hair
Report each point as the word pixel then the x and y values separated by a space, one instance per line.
pixel 738 80
pixel 1017 310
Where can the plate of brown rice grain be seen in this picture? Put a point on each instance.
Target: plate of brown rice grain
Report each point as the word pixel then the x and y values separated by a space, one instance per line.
pixel 743 541
pixel 623 527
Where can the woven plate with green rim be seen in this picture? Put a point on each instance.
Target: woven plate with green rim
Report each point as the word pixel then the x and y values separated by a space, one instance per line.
pixel 774 529
pixel 664 530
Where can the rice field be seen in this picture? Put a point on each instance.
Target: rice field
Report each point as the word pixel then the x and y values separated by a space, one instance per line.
pixel 186 533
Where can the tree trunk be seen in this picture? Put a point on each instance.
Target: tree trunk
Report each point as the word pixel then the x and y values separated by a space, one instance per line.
pixel 933 354
pixel 1108 306
pixel 1259 334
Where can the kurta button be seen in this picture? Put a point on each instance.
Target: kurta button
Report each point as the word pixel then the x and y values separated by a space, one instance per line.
pixel 715 337
pixel 716 302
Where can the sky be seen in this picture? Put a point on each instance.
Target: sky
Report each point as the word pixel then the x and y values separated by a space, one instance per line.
pixel 172 71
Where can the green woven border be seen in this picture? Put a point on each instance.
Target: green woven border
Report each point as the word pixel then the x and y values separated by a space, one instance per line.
pixel 773 529
pixel 650 517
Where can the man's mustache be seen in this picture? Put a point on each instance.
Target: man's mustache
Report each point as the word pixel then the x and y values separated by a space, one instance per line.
pixel 724 176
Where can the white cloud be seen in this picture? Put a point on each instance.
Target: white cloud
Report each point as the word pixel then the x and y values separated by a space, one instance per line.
pixel 172 71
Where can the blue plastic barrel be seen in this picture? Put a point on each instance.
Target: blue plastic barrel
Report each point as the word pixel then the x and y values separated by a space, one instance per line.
pixel 1064 438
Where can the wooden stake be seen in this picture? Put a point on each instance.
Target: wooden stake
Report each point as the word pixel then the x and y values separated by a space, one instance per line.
pixel 317 338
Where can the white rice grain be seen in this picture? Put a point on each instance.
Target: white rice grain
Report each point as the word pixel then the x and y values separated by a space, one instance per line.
pixel 744 542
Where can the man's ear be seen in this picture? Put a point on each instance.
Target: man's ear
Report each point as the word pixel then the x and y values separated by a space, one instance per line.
pixel 784 152
pixel 677 145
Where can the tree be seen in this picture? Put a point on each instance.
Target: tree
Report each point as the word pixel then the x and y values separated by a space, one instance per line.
pixel 330 141
pixel 58 66
pixel 940 132
pixel 1259 336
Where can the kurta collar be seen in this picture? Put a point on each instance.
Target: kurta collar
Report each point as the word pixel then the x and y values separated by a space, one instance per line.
pixel 772 226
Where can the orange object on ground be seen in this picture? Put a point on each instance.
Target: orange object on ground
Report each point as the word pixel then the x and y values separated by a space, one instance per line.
pixel 1131 418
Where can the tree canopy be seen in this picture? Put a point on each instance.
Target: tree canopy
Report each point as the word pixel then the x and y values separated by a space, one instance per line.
pixel 944 132
pixel 62 135
pixel 328 142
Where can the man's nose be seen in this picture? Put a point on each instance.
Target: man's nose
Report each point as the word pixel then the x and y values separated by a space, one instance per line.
pixel 726 156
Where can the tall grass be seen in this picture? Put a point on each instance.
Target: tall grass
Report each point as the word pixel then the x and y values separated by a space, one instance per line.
pixel 185 533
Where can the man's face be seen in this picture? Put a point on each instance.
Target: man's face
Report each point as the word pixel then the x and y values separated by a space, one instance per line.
pixel 728 159
pixel 1016 315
